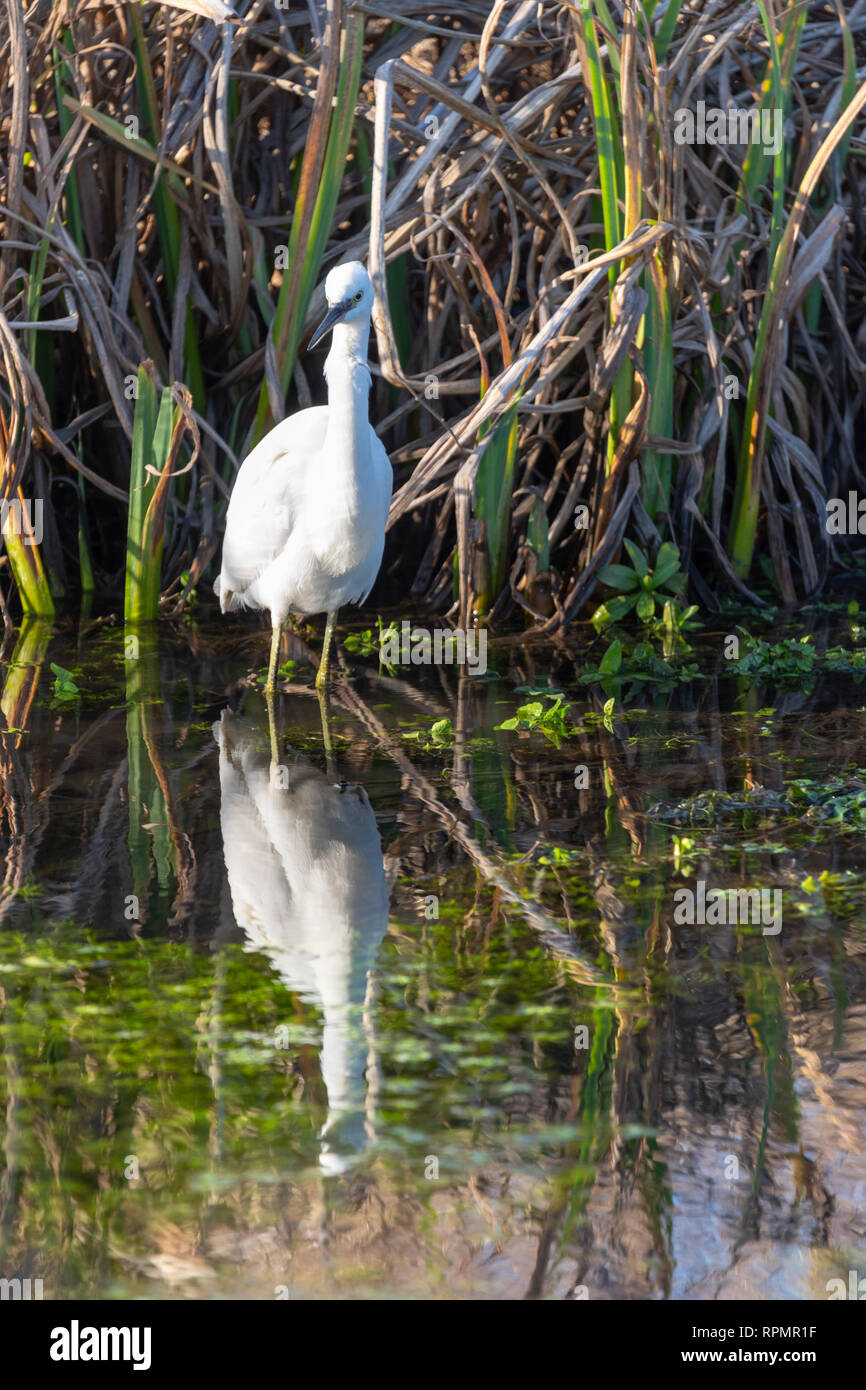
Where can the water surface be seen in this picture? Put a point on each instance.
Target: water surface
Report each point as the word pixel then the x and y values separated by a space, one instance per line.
pixel 411 1016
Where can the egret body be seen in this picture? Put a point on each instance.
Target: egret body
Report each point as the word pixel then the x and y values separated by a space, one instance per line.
pixel 305 527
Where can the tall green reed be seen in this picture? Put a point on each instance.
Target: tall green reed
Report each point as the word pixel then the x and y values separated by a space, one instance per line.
pixel 156 427
pixel 323 166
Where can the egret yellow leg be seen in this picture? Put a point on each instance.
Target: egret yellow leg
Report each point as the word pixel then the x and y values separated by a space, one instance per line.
pixel 326 736
pixel 272 668
pixel 324 664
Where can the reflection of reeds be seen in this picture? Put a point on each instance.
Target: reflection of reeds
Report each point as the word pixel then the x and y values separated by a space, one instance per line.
pixel 158 845
pixel 18 796
pixel 616 1189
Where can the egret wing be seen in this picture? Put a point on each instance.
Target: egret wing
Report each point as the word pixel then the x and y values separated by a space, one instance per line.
pixel 262 507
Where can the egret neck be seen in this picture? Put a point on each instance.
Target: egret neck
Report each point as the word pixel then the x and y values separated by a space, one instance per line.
pixel 347 443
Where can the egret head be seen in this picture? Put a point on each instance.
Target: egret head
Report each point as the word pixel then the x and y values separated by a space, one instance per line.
pixel 349 292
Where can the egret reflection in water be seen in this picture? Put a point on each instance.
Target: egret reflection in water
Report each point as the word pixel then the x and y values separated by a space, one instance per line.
pixel 308 887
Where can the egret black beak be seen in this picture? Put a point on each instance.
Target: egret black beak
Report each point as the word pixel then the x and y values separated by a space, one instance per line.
pixel 334 314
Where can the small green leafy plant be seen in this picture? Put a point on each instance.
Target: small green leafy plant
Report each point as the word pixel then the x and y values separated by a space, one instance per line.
pixel 439 735
pixel 641 667
pixel 685 855
pixel 794 659
pixel 192 596
pixel 368 642
pixel 287 671
pixel 671 626
pixel 640 587
pixel 590 717
pixel 560 857
pixel 549 721
pixel 65 689
pixel 842 893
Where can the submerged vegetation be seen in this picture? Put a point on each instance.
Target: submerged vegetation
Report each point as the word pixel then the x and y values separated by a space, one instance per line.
pixel 795 660
pixel 601 330
pixel 836 801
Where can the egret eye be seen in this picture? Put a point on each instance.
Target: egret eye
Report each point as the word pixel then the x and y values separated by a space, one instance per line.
pixel 360 294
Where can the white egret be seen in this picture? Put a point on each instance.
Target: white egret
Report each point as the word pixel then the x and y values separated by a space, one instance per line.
pixel 305 527
pixel 307 880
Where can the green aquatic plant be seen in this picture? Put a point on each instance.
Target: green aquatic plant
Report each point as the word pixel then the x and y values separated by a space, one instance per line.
pixel 794 659
pixel 65 689
pixel 287 672
pixel 560 857
pixel 439 735
pixel 842 894
pixel 670 628
pixel 192 597
pixel 368 642
pixel 839 802
pixel 641 587
pixel 605 719
pixel 550 720
pixel 685 855
pixel 641 666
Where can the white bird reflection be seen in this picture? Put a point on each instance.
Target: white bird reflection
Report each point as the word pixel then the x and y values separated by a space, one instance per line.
pixel 307 880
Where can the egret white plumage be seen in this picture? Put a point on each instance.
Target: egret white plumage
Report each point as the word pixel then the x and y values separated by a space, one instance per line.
pixel 305 528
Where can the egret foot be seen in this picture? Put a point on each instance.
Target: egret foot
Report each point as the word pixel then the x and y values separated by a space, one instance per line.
pixel 324 664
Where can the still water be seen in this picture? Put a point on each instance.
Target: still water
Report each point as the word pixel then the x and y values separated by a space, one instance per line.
pixel 410 1015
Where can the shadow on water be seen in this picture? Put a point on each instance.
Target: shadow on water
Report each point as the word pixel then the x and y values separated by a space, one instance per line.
pixel 413 1014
